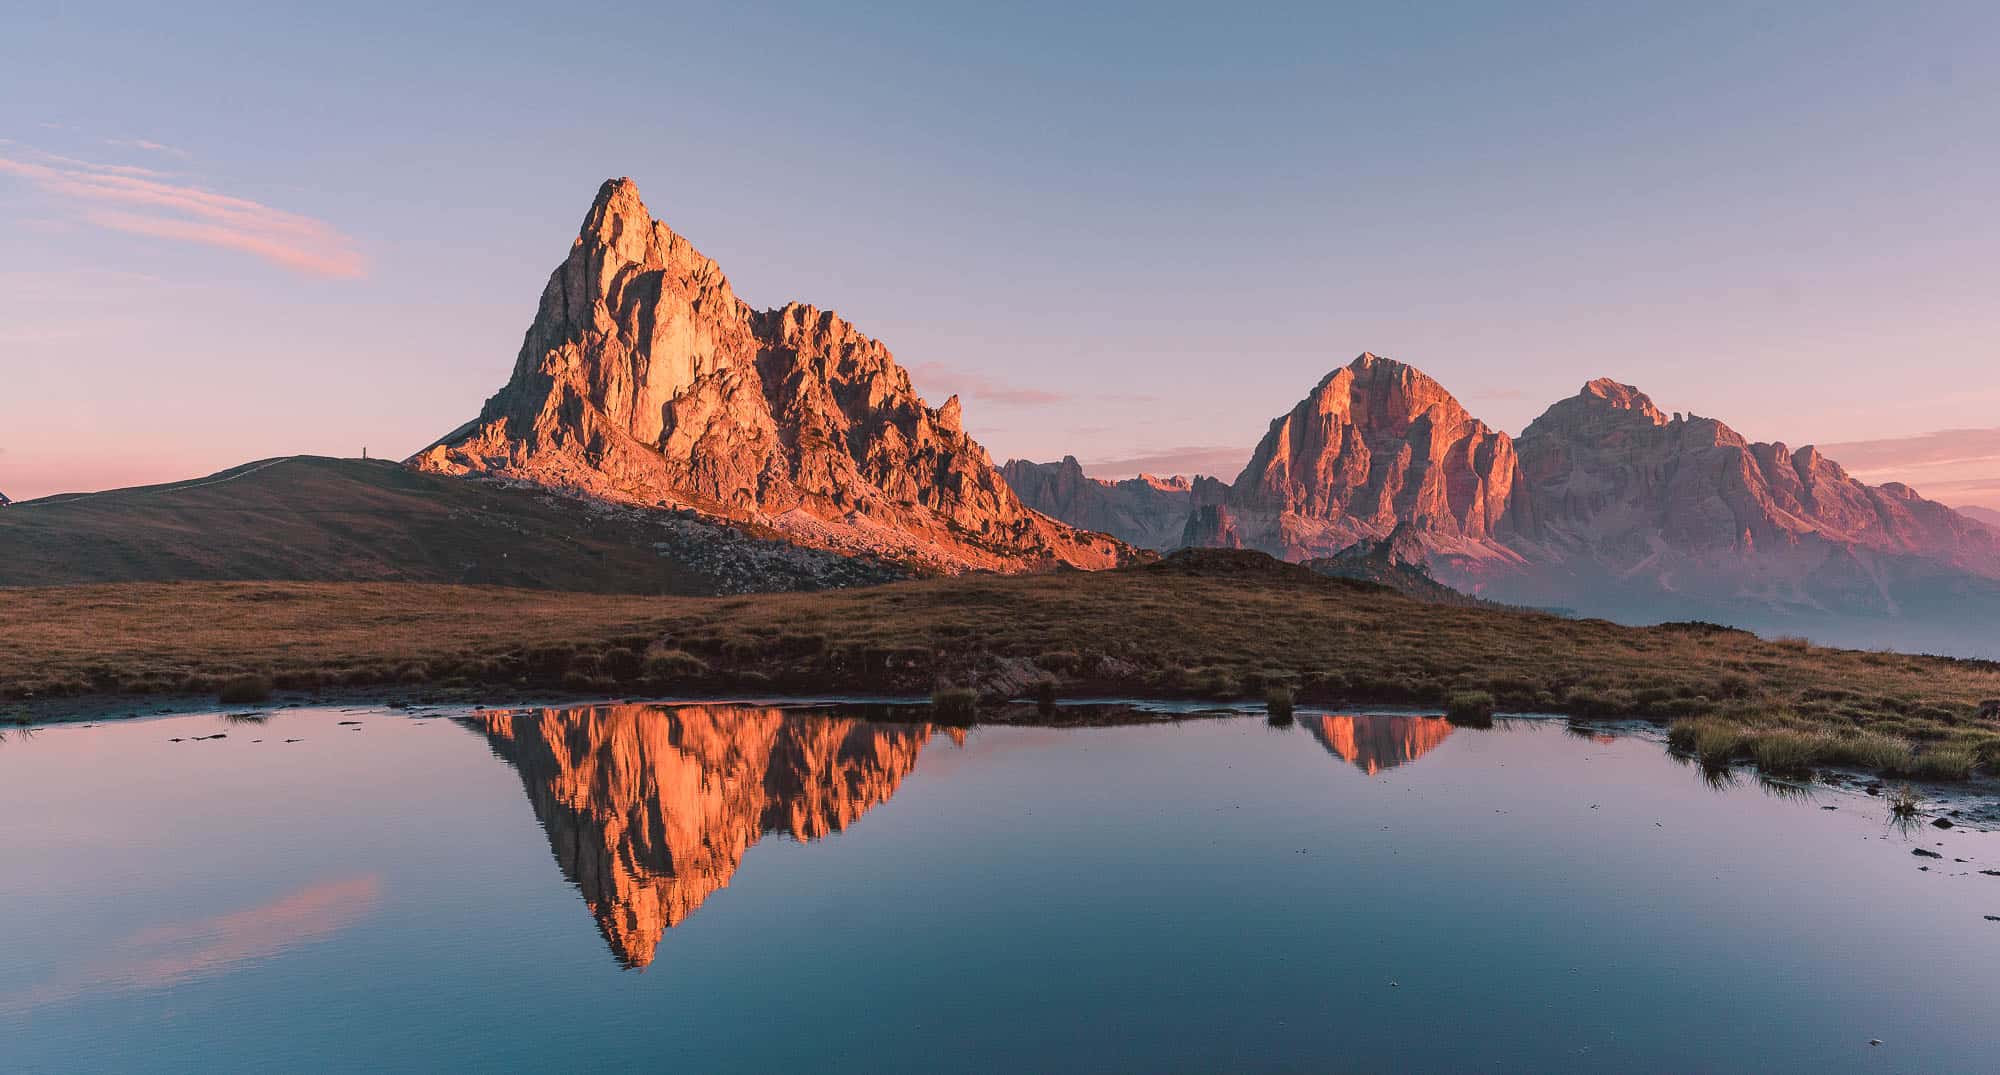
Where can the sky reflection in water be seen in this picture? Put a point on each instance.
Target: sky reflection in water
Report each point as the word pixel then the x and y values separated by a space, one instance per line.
pixel 762 888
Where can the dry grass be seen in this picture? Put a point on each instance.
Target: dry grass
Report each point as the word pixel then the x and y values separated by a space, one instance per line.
pixel 954 704
pixel 1783 744
pixel 1218 625
pixel 238 690
pixel 1474 708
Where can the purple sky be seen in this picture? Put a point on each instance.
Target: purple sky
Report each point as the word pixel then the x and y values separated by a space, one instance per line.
pixel 231 232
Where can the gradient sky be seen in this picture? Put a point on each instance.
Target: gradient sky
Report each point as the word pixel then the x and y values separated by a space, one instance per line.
pixel 1135 235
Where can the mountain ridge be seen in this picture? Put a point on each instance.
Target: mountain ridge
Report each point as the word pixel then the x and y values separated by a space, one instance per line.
pixel 644 379
pixel 1605 503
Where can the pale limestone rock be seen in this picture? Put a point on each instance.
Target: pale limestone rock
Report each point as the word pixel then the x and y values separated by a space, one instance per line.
pixel 1375 444
pixel 645 379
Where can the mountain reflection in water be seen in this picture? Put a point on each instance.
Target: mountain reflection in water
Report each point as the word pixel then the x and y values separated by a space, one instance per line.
pixel 650 809
pixel 1377 742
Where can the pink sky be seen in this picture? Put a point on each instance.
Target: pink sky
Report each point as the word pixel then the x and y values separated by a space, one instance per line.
pixel 1131 241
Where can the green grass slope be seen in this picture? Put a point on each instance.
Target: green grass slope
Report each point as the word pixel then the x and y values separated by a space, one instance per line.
pixel 313 519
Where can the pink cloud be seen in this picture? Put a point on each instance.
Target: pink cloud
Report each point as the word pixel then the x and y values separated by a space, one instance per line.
pixel 1221 462
pixel 166 955
pixel 1953 465
pixel 338 264
pixel 974 386
pixel 144 201
pixel 149 146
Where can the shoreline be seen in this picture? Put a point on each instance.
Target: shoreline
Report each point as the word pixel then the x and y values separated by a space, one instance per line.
pixel 1214 630
pixel 1971 804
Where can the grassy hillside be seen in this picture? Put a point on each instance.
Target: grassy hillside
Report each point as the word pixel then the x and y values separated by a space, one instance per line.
pixel 1208 624
pixel 305 518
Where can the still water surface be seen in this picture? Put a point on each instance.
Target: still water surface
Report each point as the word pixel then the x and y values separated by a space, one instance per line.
pixel 741 888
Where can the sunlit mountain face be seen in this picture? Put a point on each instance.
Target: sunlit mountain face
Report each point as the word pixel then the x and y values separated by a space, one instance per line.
pixel 649 810
pixel 1377 742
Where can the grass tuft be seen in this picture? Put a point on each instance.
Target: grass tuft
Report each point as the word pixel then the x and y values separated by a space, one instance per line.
pixel 665 666
pixel 1278 705
pixel 1472 709
pixel 954 703
pixel 239 690
pixel 1941 763
pixel 1787 753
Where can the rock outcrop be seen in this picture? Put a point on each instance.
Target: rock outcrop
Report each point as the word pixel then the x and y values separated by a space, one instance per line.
pixel 1605 505
pixel 650 810
pixel 1399 561
pixel 644 379
pixel 1606 473
pixel 1374 445
pixel 1145 511
pixel 1625 511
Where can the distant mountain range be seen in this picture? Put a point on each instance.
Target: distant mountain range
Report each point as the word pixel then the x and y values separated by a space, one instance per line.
pixel 1605 505
pixel 733 448
pixel 1985 515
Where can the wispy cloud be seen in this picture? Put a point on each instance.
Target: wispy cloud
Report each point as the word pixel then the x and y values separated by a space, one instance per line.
pixel 167 955
pixel 947 381
pixel 143 201
pixel 1923 449
pixel 1222 462
pixel 1955 465
pixel 149 146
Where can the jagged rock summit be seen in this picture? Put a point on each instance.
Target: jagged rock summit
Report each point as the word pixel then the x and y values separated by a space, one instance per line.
pixel 1146 511
pixel 1375 444
pixel 645 379
pixel 1606 472
pixel 1605 505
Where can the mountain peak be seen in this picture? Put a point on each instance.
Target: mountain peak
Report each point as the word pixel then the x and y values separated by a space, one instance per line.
pixel 1599 405
pixel 1376 442
pixel 616 212
pixel 1623 397
pixel 621 190
pixel 643 378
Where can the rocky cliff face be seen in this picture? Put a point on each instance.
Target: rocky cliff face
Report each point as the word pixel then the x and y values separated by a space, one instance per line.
pixel 1606 472
pixel 1605 505
pixel 650 810
pixel 1145 511
pixel 1623 509
pixel 643 378
pixel 1375 444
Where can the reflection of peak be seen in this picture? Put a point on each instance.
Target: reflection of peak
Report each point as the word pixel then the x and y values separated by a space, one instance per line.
pixel 1375 743
pixel 650 810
